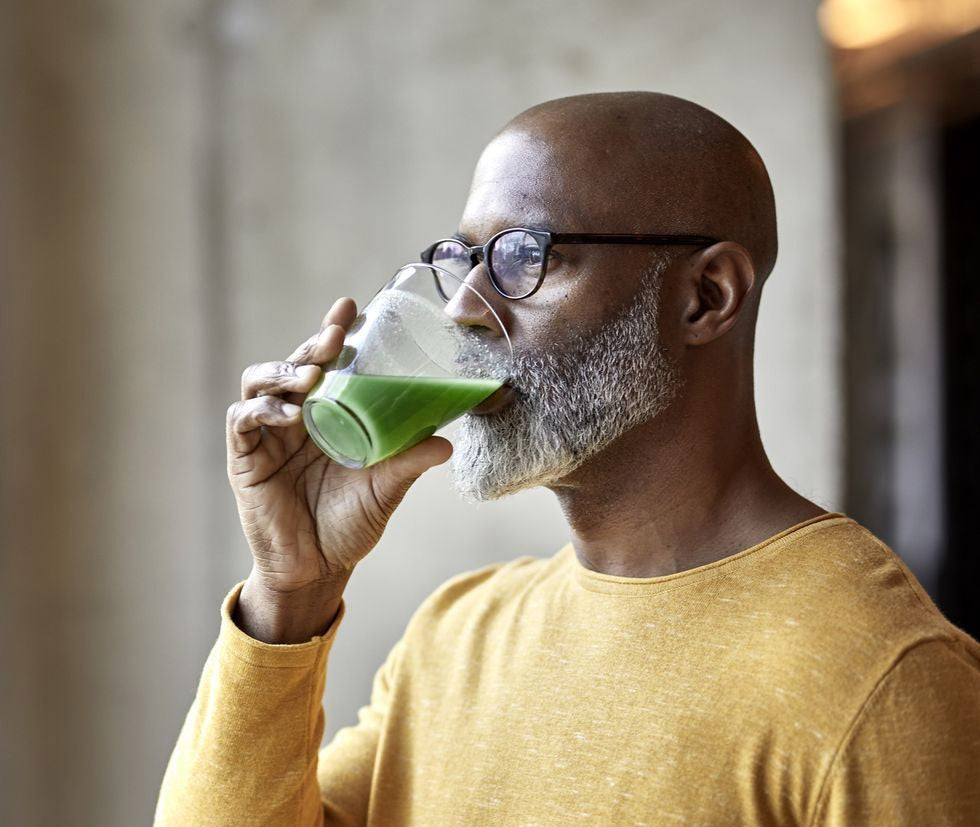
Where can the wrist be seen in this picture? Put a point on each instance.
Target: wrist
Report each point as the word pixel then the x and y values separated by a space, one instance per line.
pixel 277 617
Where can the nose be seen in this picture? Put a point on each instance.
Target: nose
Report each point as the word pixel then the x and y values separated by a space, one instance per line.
pixel 475 303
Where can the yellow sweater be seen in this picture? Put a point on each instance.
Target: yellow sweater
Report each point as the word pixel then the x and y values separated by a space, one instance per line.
pixel 808 680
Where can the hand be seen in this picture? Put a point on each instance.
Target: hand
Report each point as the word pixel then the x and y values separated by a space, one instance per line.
pixel 307 519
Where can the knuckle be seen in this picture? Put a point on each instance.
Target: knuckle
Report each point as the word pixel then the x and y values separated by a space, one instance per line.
pixel 304 350
pixel 260 379
pixel 268 407
pixel 247 375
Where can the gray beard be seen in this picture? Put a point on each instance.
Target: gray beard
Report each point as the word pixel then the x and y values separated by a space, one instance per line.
pixel 569 405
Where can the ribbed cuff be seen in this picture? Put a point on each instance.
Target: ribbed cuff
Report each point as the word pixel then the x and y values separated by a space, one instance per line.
pixel 272 655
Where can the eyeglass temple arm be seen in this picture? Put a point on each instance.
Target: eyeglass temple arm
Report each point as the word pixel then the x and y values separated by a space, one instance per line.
pixel 626 238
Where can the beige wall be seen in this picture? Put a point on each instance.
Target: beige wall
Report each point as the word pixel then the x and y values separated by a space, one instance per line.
pixel 186 186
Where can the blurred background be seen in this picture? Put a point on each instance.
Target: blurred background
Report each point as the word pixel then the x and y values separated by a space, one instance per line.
pixel 186 186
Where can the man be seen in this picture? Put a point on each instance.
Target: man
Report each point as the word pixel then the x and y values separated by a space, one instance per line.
pixel 710 649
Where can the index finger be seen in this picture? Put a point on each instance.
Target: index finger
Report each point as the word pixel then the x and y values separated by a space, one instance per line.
pixel 324 344
pixel 343 312
pixel 319 348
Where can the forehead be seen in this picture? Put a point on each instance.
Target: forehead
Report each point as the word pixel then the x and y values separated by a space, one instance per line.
pixel 520 180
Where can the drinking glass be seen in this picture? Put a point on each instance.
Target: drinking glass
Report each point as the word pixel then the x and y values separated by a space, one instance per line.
pixel 407 368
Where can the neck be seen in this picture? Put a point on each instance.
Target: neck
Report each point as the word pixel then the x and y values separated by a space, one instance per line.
pixel 679 492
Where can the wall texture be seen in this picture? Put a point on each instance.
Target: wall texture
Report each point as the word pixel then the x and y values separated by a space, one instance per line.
pixel 186 188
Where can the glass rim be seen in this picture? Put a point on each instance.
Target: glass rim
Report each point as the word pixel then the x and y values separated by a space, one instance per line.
pixel 443 272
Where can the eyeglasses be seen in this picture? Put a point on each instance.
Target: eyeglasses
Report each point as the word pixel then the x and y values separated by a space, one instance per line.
pixel 517 258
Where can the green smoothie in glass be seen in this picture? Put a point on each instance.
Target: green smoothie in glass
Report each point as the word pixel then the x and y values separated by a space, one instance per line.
pixel 379 416
pixel 410 364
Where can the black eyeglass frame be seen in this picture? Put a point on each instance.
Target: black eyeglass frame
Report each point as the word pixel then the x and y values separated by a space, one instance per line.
pixel 546 238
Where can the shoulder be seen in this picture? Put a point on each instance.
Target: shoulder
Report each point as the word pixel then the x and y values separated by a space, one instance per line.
pixel 850 587
pixel 948 669
pixel 828 616
pixel 480 592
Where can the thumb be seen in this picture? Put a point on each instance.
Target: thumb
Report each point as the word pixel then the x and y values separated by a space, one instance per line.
pixel 419 458
pixel 396 475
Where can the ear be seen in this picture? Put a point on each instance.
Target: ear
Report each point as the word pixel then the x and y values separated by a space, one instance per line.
pixel 720 280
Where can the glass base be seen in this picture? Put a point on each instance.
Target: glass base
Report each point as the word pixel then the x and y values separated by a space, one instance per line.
pixel 337 432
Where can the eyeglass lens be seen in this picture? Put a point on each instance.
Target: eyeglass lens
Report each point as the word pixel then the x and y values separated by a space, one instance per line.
pixel 515 263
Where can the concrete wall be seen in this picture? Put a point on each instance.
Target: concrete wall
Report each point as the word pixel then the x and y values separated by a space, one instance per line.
pixel 186 187
pixel 105 483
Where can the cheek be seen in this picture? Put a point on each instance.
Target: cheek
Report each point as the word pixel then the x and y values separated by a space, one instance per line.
pixel 563 310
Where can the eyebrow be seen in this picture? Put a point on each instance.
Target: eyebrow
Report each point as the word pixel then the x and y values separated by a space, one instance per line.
pixel 533 226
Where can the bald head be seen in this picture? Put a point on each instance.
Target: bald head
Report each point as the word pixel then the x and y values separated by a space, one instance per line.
pixel 642 162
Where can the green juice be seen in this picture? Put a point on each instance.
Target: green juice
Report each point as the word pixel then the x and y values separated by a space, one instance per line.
pixel 360 420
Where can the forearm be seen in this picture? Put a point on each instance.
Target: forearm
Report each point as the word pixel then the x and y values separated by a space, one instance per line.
pixel 247 752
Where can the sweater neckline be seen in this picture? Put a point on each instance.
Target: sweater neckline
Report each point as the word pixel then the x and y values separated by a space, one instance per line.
pixel 595 581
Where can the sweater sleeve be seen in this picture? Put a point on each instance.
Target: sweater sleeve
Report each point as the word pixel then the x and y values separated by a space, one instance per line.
pixel 346 765
pixel 247 752
pixel 912 756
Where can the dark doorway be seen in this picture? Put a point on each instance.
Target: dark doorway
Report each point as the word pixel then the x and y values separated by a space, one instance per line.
pixel 911 148
pixel 959 583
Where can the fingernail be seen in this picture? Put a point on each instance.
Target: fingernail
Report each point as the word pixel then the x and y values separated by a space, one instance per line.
pixel 291 410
